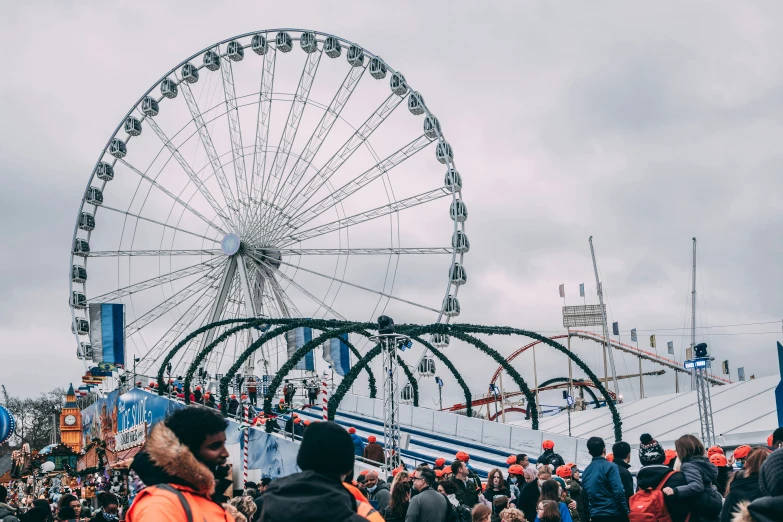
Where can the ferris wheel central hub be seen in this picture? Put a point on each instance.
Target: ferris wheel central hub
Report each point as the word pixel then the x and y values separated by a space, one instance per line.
pixel 230 244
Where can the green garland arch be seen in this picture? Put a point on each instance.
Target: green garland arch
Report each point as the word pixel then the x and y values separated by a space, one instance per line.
pixel 411 380
pixel 245 324
pixel 335 400
pixel 505 330
pixel 445 360
pixel 460 331
pixel 191 335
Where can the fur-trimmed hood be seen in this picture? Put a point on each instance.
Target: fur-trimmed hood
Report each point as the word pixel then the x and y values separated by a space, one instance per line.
pixel 765 509
pixel 166 460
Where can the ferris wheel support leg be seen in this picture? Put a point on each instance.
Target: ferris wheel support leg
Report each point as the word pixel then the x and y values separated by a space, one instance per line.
pixel 220 302
pixel 250 311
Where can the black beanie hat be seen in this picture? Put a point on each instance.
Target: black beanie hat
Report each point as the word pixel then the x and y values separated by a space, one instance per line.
pixel 771 475
pixel 326 449
pixel 650 451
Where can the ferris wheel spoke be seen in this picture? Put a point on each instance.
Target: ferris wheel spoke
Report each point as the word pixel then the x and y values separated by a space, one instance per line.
pixel 283 302
pixel 157 281
pixel 360 181
pixel 176 299
pixel 292 125
pixel 172 196
pixel 369 215
pixel 301 289
pixel 364 251
pixel 235 132
pixel 360 287
pixel 165 225
pixel 341 156
pixel 319 134
pixel 174 333
pixel 150 253
pixel 262 124
pixel 209 147
pixel 190 172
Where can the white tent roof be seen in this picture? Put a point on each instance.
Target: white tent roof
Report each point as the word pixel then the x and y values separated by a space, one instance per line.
pixel 743 413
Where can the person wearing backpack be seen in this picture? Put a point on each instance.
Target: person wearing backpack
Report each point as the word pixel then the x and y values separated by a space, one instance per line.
pixel 549 456
pixel 655 475
pixel 701 474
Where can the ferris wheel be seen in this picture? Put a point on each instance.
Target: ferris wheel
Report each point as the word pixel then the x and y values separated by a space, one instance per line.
pixel 281 173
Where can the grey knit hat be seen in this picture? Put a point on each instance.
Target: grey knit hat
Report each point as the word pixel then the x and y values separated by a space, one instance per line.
pixel 771 475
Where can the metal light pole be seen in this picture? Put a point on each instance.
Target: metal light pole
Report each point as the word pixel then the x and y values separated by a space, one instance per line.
pixel 390 342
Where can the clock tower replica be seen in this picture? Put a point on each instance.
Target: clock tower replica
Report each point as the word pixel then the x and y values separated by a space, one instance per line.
pixel 71 422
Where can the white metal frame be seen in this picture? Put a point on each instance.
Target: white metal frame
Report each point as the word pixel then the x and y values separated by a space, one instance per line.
pixel 264 209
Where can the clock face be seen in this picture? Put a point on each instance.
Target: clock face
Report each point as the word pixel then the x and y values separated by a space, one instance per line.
pixel 70 420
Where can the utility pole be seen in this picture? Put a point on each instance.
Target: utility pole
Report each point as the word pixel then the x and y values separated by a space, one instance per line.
pixel 607 347
pixel 699 372
pixel 693 312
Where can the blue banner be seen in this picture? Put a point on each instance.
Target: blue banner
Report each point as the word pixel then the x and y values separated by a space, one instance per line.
pixel 107 333
pixel 296 339
pixel 337 354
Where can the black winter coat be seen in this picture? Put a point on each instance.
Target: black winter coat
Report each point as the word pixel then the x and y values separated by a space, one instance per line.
pixel 309 497
pixel 741 488
pixel 528 499
pixel 625 477
pixel 703 498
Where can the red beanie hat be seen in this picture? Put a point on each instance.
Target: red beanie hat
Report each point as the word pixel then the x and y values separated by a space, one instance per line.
pixel 351 430
pixel 371 438
pixel 511 460
pixel 610 457
pixel 464 457
pixel 548 444
pixel 440 461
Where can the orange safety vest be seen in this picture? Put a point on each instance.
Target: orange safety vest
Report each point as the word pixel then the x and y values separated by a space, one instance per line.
pixel 363 508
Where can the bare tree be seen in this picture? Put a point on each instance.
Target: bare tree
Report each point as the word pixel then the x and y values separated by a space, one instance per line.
pixel 35 417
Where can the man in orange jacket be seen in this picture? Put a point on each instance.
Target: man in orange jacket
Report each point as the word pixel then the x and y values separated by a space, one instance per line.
pixel 183 465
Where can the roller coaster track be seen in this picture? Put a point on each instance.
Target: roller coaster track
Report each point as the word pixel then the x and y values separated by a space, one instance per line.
pixel 627 348
pixel 590 336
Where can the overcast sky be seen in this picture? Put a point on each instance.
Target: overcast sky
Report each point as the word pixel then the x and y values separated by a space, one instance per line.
pixel 642 125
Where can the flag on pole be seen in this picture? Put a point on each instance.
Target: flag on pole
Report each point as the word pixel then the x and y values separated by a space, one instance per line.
pixel 337 355
pixel 297 338
pixel 670 346
pixel 726 367
pixel 633 335
pixel 741 373
pixel 615 328
pixel 581 289
pixel 652 341
pixel 562 290
pixel 107 333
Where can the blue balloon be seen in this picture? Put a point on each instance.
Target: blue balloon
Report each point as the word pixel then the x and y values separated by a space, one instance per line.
pixel 7 424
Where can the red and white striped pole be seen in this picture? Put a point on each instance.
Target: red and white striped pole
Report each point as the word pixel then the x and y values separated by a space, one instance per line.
pixel 325 398
pixel 247 443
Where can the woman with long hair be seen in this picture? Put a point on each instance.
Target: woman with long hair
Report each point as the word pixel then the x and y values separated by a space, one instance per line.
pixel 701 475
pixel 548 511
pixel 480 513
pixel 400 500
pixel 744 485
pixel 496 486
pixel 550 493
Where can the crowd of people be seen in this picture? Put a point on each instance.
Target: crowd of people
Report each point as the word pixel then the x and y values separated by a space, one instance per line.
pixel 183 466
pixel 50 504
